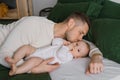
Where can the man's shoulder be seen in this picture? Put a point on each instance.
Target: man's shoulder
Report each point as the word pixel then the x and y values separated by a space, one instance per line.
pixel 33 17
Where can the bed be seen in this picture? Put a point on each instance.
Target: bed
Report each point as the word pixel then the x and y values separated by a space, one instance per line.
pixel 104 33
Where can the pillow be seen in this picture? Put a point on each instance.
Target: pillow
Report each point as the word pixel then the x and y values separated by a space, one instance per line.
pixel 62 11
pixel 106 35
pixel 110 10
pixel 94 10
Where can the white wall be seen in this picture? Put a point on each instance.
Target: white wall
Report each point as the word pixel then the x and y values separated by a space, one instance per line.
pixel 41 4
pixel 118 1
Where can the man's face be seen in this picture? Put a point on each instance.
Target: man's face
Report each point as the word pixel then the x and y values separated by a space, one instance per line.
pixel 77 32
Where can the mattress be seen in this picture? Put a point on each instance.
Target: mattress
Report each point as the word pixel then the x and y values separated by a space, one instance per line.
pixel 75 70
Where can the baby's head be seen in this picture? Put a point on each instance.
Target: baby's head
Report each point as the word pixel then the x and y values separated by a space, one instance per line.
pixel 80 49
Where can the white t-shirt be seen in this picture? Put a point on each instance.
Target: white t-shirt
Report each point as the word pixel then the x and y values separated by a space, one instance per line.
pixel 36 31
pixel 5 30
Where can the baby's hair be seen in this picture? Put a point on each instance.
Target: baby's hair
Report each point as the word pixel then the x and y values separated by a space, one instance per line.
pixel 87 46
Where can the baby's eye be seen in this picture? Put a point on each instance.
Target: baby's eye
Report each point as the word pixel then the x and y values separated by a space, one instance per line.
pixel 78 50
pixel 76 44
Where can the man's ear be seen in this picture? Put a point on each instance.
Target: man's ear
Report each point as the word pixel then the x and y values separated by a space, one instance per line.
pixel 71 22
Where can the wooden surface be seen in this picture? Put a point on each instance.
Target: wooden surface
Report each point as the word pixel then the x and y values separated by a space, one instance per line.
pixel 23 8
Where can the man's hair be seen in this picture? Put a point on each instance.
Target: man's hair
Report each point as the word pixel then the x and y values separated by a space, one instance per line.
pixel 78 16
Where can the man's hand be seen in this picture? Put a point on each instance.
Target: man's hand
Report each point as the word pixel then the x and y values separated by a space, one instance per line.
pixel 96 65
pixel 45 67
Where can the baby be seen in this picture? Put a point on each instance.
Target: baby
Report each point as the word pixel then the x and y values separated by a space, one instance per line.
pixel 62 51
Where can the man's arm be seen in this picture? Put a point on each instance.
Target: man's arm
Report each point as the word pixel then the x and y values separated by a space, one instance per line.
pixel 96 63
pixel 5 30
pixel 93 49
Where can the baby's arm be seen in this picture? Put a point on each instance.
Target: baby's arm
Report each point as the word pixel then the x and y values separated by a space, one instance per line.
pixel 60 41
pixel 96 63
pixel 57 41
pixel 65 42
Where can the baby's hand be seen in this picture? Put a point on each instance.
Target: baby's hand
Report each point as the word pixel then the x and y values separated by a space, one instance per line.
pixel 66 43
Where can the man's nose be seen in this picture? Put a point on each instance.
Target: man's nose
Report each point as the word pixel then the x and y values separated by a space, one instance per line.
pixel 80 37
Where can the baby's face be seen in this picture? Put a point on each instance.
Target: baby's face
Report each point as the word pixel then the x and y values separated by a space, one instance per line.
pixel 79 49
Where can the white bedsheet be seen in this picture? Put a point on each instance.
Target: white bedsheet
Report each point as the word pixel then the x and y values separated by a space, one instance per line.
pixel 75 70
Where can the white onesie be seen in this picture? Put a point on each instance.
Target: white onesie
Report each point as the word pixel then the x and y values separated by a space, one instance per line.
pixel 60 52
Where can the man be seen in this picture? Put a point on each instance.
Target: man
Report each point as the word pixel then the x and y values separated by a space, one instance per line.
pixel 39 32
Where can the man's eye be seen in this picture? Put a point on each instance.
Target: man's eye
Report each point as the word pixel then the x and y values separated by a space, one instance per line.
pixel 82 33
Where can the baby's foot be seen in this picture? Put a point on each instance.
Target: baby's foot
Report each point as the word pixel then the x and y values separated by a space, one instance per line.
pixel 13 70
pixel 9 60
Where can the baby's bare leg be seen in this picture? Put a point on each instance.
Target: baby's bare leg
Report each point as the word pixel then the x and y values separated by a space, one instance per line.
pixel 9 60
pixel 22 52
pixel 26 66
pixel 13 70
